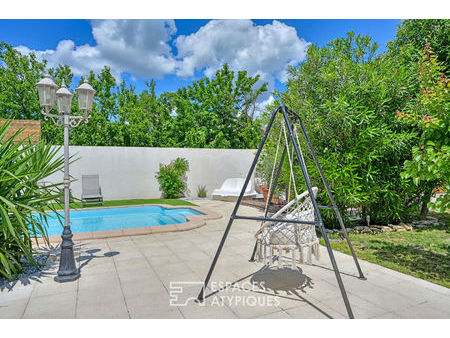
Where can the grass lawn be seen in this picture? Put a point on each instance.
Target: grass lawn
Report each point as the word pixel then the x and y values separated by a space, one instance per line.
pixel 422 253
pixel 75 205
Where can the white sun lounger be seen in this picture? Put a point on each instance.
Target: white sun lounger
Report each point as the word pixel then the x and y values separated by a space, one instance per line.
pixel 231 189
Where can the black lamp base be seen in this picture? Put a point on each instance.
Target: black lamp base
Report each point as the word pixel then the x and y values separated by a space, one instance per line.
pixel 67 278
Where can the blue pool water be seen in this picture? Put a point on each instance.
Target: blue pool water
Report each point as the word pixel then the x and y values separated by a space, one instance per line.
pixel 119 218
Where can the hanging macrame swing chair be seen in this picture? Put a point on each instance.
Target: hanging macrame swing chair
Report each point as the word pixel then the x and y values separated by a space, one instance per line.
pixel 280 240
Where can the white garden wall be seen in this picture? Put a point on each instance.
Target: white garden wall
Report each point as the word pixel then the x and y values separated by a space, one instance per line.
pixel 129 172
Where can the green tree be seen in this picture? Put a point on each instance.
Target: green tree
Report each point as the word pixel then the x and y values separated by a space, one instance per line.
pixel 18 77
pixel 61 72
pixel 217 112
pixel 102 128
pixel 214 113
pixel 346 94
pixel 157 110
pixel 429 112
pixel 415 33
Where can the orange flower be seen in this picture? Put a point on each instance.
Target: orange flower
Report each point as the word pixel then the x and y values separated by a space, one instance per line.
pixel 426 118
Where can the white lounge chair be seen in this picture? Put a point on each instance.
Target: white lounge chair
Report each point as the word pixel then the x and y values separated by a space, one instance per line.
pixel 231 189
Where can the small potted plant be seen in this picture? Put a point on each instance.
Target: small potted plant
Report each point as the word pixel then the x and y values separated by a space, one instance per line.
pixel 265 193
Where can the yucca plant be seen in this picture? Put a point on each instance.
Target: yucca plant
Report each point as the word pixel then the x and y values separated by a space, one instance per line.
pixel 23 201
pixel 201 191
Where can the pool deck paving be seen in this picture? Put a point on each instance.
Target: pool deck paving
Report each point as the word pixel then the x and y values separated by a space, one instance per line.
pixel 139 276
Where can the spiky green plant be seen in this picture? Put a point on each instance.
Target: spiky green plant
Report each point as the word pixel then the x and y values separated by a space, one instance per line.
pixel 201 191
pixel 23 201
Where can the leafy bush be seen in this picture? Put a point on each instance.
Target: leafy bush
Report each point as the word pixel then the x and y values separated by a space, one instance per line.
pixel 22 201
pixel 347 96
pixel 429 112
pixel 201 191
pixel 172 178
pixel 415 33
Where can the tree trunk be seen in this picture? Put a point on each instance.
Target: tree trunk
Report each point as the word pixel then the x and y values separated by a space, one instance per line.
pixel 425 200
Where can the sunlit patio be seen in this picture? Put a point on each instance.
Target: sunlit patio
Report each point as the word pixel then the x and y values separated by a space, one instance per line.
pixel 130 277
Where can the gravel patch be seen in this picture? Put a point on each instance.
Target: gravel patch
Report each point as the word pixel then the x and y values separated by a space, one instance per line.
pixel 30 271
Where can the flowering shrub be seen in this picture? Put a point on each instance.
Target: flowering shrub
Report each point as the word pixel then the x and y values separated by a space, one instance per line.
pixel 430 114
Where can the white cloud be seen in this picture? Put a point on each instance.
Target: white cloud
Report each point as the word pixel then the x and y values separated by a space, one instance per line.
pixel 266 50
pixel 262 105
pixel 140 47
pixel 143 48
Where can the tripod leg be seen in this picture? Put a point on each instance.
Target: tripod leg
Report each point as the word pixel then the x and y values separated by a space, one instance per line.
pixel 330 195
pixel 319 217
pixel 201 295
pixel 252 259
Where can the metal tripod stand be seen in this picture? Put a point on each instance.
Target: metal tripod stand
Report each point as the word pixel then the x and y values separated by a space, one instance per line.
pixel 288 115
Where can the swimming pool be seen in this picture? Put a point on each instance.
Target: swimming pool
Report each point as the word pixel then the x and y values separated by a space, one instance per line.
pixel 119 218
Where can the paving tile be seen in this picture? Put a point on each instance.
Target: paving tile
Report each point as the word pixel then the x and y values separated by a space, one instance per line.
pixel 134 288
pixel 275 315
pixel 193 256
pixel 161 256
pixel 107 309
pixel 49 287
pixel 106 302
pixel 385 277
pixel 43 307
pixel 134 263
pixel 361 308
pixel 187 277
pixel 17 293
pixel 160 314
pixel 106 279
pixel 425 285
pixel 247 304
pixel 137 276
pixel 313 311
pixel 419 295
pixel 387 315
pixel 97 266
pixel 174 270
pixel 383 298
pixel 422 311
pixel 207 311
pixel 151 305
pixel 440 304
pixel 13 310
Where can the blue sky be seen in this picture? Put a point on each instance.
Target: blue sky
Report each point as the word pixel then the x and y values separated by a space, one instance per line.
pixel 176 52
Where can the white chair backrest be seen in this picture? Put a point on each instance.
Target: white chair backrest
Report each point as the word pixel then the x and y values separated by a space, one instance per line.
pixel 236 184
pixel 298 198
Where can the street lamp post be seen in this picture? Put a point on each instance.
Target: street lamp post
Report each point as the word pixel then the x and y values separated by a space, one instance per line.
pixel 48 94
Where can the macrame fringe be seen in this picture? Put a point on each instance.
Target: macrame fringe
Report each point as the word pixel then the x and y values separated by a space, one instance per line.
pixel 305 253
